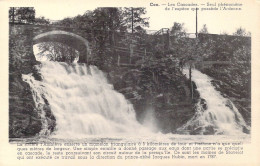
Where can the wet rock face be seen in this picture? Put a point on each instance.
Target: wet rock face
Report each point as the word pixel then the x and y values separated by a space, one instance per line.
pixel 203 103
pixel 24 121
pixel 165 93
pixel 24 117
pixel 208 130
pixel 233 82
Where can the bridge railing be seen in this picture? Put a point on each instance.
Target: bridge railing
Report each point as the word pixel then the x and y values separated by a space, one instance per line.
pixel 127 47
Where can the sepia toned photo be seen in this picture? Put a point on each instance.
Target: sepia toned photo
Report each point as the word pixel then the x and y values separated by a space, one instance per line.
pixel 165 81
pixel 103 73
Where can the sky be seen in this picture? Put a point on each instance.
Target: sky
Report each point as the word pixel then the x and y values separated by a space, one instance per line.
pixel 217 21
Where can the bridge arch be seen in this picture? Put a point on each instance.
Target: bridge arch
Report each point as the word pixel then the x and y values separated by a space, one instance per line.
pixel 75 41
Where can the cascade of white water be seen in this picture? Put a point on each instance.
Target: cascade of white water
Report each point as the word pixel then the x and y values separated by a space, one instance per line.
pixel 84 104
pixel 37 93
pixel 82 101
pixel 221 114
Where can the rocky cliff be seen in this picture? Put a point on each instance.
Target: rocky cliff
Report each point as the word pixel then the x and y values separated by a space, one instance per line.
pixel 159 92
pixel 24 117
pixel 233 83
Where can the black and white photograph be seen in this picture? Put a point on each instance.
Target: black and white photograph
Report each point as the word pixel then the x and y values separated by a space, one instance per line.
pixel 167 71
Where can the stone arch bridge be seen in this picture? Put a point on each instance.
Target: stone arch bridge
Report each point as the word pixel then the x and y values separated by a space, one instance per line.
pixel 78 39
pixel 24 118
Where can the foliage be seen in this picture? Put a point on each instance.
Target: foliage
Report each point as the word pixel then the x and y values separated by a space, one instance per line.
pixel 223 47
pixel 241 32
pixel 107 21
pixel 22 14
pixel 66 22
pixel 57 52
pixel 204 29
pixel 224 33
pixel 134 17
pixel 178 30
pixel 108 30
pixel 42 21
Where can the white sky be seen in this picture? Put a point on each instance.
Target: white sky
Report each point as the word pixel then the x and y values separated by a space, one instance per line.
pixel 217 21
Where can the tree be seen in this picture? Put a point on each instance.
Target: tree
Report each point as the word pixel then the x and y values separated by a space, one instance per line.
pixel 106 24
pixel 42 21
pixel 57 52
pixel 22 14
pixel 178 30
pixel 204 29
pixel 241 32
pixel 107 30
pixel 224 33
pixel 133 18
pixel 84 21
pixel 11 14
pixel 107 21
pixel 67 22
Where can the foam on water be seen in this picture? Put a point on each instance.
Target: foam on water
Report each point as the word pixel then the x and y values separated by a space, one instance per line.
pixel 82 101
pixel 85 106
pixel 220 115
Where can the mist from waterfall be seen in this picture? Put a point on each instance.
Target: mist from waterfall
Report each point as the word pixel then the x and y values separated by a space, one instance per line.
pixel 220 117
pixel 82 101
pixel 84 104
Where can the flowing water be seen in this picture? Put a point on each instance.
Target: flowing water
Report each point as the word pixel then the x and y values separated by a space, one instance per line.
pixel 82 101
pixel 86 106
pixel 220 115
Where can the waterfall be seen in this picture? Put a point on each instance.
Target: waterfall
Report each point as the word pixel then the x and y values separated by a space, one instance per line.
pixel 220 117
pixel 85 104
pixel 82 101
